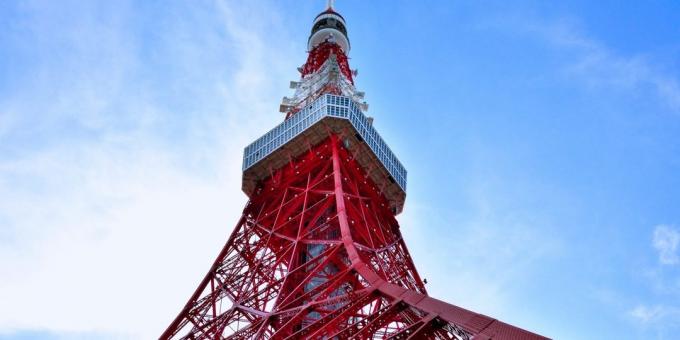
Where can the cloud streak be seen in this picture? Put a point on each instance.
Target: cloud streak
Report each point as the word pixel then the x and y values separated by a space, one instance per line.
pixel 666 240
pixel 656 315
pixel 117 189
pixel 597 64
pixel 663 315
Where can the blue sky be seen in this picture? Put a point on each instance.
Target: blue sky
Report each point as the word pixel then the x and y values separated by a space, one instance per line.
pixel 541 141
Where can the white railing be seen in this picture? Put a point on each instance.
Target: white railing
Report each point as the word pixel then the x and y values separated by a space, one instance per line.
pixel 333 106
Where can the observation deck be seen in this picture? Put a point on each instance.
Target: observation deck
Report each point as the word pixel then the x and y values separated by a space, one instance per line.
pixel 310 126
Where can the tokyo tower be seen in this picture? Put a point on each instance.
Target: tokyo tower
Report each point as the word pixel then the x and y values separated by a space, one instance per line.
pixel 317 252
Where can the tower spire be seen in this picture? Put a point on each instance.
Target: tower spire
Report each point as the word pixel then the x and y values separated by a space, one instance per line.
pixel 330 4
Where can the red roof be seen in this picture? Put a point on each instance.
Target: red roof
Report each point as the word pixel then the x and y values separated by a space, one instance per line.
pixel 329 11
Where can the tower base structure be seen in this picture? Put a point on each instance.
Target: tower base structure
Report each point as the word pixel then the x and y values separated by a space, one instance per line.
pixel 317 254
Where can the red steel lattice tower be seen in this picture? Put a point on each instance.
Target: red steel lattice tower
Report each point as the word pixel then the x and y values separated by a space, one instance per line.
pixel 317 252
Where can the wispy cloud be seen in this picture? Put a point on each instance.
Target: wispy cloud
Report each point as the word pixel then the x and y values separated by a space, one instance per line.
pixel 666 240
pixel 646 314
pixel 599 65
pixel 118 188
pixel 659 315
pixel 602 67
pixel 658 308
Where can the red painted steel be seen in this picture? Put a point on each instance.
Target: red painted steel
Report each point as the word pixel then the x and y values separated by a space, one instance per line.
pixel 321 53
pixel 318 254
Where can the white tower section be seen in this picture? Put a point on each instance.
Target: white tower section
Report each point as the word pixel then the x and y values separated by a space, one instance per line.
pixel 327 68
pixel 329 25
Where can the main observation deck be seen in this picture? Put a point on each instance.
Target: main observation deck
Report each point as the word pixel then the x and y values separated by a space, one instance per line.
pixel 310 126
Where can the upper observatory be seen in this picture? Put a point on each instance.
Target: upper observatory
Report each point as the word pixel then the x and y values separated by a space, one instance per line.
pixel 329 25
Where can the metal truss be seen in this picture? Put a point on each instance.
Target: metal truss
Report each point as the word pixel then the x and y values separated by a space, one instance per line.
pixel 317 254
pixel 319 55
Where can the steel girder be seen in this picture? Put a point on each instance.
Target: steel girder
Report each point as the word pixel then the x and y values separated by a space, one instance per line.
pixel 318 254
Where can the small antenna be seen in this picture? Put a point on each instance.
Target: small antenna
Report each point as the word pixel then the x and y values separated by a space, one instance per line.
pixel 330 4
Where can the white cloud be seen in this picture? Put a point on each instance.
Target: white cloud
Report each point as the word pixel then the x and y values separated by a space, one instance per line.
pixel 110 221
pixel 646 314
pixel 663 317
pixel 666 240
pixel 599 65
